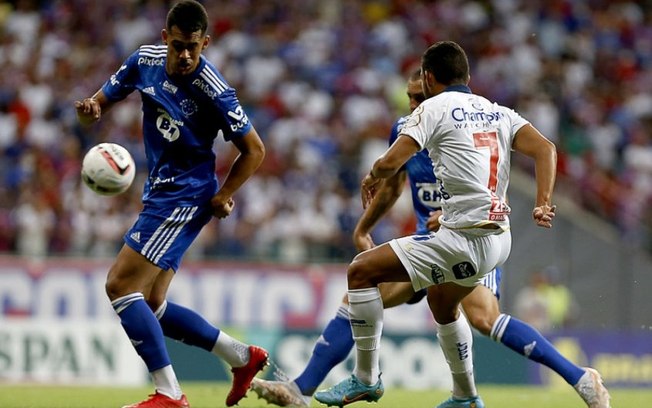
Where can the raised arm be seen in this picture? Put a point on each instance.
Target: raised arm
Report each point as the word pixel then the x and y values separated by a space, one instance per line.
pixel 532 143
pixel 388 164
pixel 388 192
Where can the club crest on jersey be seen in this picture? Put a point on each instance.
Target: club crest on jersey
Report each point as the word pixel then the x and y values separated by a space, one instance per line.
pixel 188 107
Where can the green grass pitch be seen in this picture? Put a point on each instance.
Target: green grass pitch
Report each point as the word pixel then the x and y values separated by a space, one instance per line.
pixel 203 395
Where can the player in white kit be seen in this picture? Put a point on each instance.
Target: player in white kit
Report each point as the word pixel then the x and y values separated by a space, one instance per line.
pixel 469 140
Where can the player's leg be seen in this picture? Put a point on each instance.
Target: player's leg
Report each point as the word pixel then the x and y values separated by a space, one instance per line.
pixel 332 347
pixel 164 235
pixel 336 340
pixel 368 269
pixel 456 341
pixel 482 310
pixel 130 279
pixel 186 325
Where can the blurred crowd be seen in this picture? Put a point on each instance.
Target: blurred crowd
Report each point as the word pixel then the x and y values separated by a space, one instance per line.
pixel 322 81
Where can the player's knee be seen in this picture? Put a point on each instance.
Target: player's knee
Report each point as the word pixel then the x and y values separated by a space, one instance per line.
pixel 481 322
pixel 358 274
pixel 112 288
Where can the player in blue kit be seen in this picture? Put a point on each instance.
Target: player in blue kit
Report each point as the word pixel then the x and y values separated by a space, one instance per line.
pixel 481 306
pixel 185 102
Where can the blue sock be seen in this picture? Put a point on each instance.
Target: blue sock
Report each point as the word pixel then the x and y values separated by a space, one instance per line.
pixel 527 341
pixel 143 330
pixel 332 347
pixel 185 325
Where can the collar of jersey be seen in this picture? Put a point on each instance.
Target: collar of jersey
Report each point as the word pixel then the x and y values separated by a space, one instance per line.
pixel 458 88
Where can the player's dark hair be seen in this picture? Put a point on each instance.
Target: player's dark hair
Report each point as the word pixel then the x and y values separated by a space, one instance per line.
pixel 189 16
pixel 447 61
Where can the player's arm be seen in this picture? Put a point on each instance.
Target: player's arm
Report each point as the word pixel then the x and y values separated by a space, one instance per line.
pixel 89 110
pixel 252 153
pixel 530 142
pixel 388 192
pixel 388 164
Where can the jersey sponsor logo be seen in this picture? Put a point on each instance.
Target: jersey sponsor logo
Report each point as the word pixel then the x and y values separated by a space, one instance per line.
pixel 114 78
pixel 474 120
pixel 437 274
pixel 240 118
pixel 168 126
pixel 169 87
pixel 206 88
pixel 150 61
pixel 428 194
pixel 462 115
pixel 157 182
pixel 463 270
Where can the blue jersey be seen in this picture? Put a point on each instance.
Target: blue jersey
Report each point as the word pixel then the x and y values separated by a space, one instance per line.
pixel 423 183
pixel 182 116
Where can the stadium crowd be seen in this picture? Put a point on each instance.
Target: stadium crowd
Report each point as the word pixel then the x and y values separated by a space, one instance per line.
pixel 323 82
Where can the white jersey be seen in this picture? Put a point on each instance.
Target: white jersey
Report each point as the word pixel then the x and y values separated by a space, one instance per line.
pixel 469 140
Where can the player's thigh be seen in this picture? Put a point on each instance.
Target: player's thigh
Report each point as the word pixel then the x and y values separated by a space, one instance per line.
pixel 131 272
pixel 481 308
pixel 374 266
pixel 395 293
pixel 159 291
pixel 444 300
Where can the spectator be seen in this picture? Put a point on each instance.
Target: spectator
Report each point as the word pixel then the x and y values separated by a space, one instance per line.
pixel 583 69
pixel 545 303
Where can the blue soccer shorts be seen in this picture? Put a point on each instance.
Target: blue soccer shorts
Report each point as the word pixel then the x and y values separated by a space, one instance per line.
pixel 164 234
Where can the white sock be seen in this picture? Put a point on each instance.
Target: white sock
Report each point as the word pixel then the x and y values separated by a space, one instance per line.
pixel 456 340
pixel 166 383
pixel 366 316
pixel 234 352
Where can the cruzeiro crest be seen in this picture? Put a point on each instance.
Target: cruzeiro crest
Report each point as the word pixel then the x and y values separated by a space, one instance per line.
pixel 188 107
pixel 168 126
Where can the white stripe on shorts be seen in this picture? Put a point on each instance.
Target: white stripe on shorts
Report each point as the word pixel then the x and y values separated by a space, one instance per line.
pixel 167 232
pixel 489 280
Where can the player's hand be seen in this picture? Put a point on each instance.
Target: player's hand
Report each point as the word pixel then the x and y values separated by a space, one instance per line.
pixel 433 221
pixel 543 215
pixel 368 189
pixel 363 242
pixel 88 110
pixel 222 208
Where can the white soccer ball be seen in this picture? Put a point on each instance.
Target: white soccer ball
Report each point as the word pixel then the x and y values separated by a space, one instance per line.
pixel 108 169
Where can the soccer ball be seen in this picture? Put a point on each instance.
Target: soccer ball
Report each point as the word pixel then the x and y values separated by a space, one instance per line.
pixel 108 169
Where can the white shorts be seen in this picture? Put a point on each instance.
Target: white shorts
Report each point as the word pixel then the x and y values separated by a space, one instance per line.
pixel 451 256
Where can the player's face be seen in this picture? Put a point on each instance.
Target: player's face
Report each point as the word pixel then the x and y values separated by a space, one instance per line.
pixel 184 50
pixel 415 94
